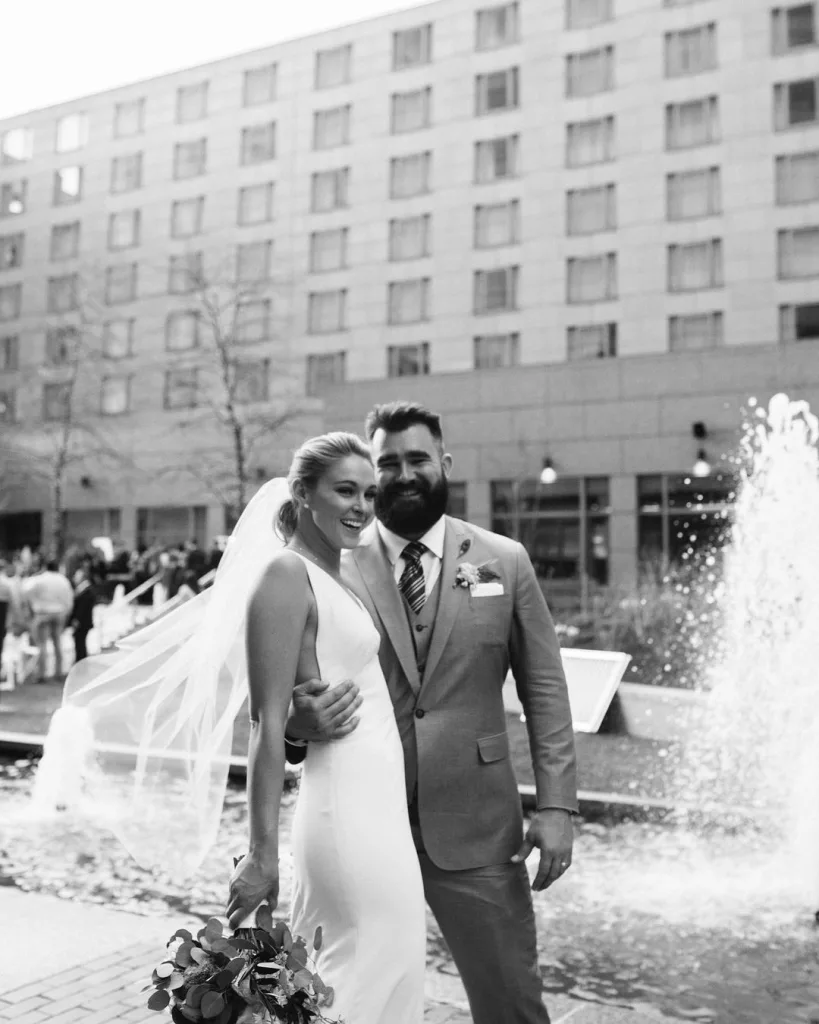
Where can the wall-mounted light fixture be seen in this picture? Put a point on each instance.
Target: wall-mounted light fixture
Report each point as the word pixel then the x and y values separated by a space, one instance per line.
pixel 548 475
pixel 702 467
pixel 261 473
pixel 86 482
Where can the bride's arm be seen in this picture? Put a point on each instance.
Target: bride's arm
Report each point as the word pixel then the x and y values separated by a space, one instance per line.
pixel 276 620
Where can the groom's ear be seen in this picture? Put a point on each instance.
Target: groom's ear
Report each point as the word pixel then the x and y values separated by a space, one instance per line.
pixel 446 464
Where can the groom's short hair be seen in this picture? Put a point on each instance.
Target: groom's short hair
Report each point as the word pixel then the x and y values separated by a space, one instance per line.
pixel 393 417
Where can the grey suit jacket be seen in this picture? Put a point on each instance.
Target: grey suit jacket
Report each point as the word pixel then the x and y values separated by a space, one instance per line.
pixel 453 721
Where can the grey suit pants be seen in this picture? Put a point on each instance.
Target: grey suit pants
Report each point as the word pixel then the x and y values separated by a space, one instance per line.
pixel 487 919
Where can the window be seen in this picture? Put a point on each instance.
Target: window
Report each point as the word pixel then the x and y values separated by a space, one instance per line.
pixel 16 145
pixel 565 529
pixel 496 159
pixel 411 47
pixel 13 198
pixel 495 290
pixel 329 190
pixel 692 123
pixel 252 321
pixel 492 351
pixel 408 360
pixel 678 515
pixel 410 237
pixel 253 261
pixel 592 278
pixel 590 142
pixel 799 253
pixel 799 323
pixel 181 331
pixel 191 102
pixel 126 172
pixel 123 229
pixel 181 388
pixel 11 251
pixel 9 353
pixel 115 395
pixel 326 311
pixel 129 118
pixel 590 72
pixel 324 370
pixel 186 217
pixel 590 210
pixel 410 175
pixel 408 301
pixel 496 224
pixel 190 158
pixel 8 405
pixel 259 85
pixel 56 401
pixel 258 143
pixel 61 294
pixel 62 345
pixel 585 13
pixel 68 186
pixel 121 283
pixel 497 90
pixel 331 128
pixel 333 67
pixel 693 331
pixel 256 204
pixel 185 273
pixel 797 178
pixel 592 341
pixel 691 51
pixel 251 380
pixel 65 241
pixel 795 103
pixel 497 26
pixel 691 194
pixel 11 297
pixel 694 266
pixel 328 250
pixel 117 338
pixel 793 27
pixel 411 111
pixel 72 133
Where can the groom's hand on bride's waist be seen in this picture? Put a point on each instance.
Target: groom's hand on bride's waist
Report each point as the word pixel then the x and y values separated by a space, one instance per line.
pixel 322 712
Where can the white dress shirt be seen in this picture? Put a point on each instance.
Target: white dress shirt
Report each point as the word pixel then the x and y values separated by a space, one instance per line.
pixel 433 541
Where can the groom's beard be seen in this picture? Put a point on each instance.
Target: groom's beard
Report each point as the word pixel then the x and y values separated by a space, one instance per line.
pixel 414 512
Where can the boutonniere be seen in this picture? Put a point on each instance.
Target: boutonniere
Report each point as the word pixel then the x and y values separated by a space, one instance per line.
pixel 469 576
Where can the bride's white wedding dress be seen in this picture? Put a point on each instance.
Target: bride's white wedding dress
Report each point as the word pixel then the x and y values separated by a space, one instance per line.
pixel 356 871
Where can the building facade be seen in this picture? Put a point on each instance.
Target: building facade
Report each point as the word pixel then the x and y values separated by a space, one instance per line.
pixel 578 228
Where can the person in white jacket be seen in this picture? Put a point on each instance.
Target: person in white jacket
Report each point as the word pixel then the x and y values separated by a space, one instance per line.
pixel 50 596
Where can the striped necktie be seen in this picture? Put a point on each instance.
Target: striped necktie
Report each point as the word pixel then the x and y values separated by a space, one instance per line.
pixel 412 584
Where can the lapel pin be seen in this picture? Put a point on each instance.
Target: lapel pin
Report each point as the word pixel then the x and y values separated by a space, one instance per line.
pixel 465 546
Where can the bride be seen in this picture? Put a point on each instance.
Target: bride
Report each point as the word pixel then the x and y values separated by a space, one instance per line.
pixel 356 871
pixel 161 712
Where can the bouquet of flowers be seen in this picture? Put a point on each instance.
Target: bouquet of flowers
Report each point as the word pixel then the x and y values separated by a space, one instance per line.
pixel 257 976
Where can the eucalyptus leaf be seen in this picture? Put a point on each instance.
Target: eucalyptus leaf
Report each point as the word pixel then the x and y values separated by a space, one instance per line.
pixel 182 933
pixel 212 1005
pixel 328 996
pixel 302 979
pixel 165 969
pixel 183 954
pixel 264 917
pixel 177 981
pixel 214 929
pixel 223 979
pixel 199 956
pixel 318 938
pixel 194 996
pixel 159 1000
pixel 237 965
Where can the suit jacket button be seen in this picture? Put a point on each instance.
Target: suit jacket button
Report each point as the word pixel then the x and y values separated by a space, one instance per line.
pixel 419 628
pixel 419 712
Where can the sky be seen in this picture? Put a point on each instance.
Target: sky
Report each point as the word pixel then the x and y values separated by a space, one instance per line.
pixel 55 51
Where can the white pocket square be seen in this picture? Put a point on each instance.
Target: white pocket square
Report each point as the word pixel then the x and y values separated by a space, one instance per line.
pixel 487 590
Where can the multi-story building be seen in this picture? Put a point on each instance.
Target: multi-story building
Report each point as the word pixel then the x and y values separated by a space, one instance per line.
pixel 584 230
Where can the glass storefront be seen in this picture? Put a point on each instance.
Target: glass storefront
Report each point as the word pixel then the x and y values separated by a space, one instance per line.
pixel 171 525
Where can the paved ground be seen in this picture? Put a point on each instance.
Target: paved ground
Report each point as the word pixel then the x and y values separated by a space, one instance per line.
pixel 62 962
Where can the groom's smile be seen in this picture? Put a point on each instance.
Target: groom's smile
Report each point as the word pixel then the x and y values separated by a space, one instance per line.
pixel 411 472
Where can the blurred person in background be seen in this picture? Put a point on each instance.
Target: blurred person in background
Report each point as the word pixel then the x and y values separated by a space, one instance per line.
pixel 50 597
pixel 82 612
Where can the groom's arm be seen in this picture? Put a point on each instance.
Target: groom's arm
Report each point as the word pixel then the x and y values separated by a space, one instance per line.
pixel 541 684
pixel 320 713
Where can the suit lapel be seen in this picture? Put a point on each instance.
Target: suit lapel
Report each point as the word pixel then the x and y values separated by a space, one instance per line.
pixel 451 598
pixel 375 572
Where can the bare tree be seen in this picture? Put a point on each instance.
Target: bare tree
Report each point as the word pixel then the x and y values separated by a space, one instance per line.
pixel 245 391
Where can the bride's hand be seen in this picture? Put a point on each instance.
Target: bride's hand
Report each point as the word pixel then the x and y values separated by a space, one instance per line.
pixel 255 880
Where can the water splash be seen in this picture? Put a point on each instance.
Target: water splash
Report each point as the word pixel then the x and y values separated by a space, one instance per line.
pixel 756 745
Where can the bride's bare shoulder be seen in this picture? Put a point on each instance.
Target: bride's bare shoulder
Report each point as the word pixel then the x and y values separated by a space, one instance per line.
pixel 284 578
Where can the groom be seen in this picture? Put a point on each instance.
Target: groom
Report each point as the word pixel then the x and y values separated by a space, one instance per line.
pixel 456 607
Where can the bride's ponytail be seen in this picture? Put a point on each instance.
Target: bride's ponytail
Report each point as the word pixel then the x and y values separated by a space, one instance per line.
pixel 287 520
